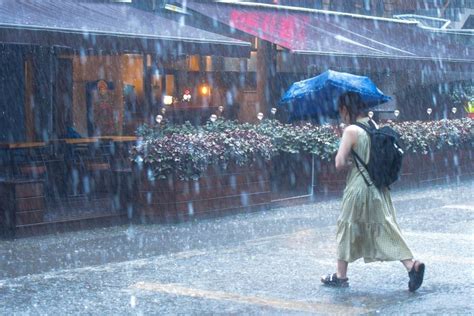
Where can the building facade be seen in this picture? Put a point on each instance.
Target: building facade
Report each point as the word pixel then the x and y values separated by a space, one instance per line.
pixel 79 77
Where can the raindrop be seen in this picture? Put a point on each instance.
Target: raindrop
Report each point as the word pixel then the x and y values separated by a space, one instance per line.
pixel 273 111
pixel 163 110
pixel 197 189
pixel 396 113
pixel 371 114
pixel 429 111
pixel 221 108
pixel 213 118
pixel 116 202
pixel 130 233
pixel 260 116
pixel 150 175
pixel 75 180
pixel 233 182
pixel 129 211
pixel 190 208
pixel 456 160
pixel 454 110
pixel 159 118
pixel 82 55
pixel 133 301
pixel 244 198
pixel 292 178
pixel 229 97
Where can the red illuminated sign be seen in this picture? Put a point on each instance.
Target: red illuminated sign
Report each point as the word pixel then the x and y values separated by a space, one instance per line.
pixel 281 29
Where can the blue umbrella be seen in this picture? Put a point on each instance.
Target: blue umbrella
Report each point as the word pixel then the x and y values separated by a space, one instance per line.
pixel 317 97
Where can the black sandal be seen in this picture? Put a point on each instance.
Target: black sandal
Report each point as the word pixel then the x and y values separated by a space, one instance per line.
pixel 416 276
pixel 334 281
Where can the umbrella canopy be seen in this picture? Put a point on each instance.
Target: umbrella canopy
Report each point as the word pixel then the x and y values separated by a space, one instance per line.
pixel 317 97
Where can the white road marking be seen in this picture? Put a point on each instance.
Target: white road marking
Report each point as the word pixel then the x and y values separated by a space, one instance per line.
pixel 460 207
pixel 432 258
pixel 456 237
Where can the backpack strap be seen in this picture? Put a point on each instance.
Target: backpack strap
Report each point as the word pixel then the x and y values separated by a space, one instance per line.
pixel 366 128
pixel 357 158
pixel 372 124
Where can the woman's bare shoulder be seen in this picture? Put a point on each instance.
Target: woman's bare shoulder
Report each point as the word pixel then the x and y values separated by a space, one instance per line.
pixel 352 129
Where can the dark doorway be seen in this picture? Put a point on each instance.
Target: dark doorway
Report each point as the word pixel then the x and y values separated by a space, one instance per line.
pixel 62 111
pixel 12 117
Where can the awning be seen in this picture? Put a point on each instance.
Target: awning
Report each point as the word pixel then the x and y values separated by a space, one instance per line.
pixel 319 32
pixel 102 26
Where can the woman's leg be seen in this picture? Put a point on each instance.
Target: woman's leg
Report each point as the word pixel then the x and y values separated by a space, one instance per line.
pixel 342 269
pixel 338 279
pixel 408 263
pixel 416 272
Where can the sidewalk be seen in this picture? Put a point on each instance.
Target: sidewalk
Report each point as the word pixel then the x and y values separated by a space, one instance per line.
pixel 258 263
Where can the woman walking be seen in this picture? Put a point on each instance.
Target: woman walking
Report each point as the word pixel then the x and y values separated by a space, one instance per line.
pixel 367 227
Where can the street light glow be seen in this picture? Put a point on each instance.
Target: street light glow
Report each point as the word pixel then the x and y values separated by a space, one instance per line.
pixel 167 100
pixel 205 90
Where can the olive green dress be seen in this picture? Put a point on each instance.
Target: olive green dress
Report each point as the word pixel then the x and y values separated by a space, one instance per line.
pixel 367 227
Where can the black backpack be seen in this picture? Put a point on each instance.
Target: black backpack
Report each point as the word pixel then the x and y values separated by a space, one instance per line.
pixel 386 155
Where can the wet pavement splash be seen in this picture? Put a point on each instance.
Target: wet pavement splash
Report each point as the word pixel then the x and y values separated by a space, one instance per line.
pixel 258 263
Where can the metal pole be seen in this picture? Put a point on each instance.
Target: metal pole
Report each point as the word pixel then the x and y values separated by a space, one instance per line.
pixel 312 175
pixel 51 92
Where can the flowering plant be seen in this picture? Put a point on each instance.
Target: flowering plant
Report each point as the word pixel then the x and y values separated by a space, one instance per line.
pixel 187 151
pixel 187 155
pixel 320 140
pixel 423 137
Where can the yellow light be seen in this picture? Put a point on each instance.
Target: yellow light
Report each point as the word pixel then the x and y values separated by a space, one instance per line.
pixel 205 90
pixel 168 100
pixel 470 107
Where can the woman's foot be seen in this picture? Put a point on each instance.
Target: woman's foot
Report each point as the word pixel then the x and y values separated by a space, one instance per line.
pixel 334 281
pixel 416 275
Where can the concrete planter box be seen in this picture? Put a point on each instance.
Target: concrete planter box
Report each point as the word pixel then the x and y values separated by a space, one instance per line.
pixel 302 175
pixel 291 175
pixel 220 190
pixel 328 181
pixel 443 166
pixel 437 167
pixel 22 203
pixel 223 190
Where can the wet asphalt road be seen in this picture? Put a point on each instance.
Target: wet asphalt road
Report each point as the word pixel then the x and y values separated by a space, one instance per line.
pixel 259 263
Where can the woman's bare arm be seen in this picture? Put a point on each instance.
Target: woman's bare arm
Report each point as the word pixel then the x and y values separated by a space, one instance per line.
pixel 348 141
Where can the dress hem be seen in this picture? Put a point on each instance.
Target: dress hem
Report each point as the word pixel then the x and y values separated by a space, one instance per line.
pixel 370 260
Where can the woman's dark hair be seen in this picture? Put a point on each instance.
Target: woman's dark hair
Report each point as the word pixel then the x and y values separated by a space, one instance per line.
pixel 354 105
